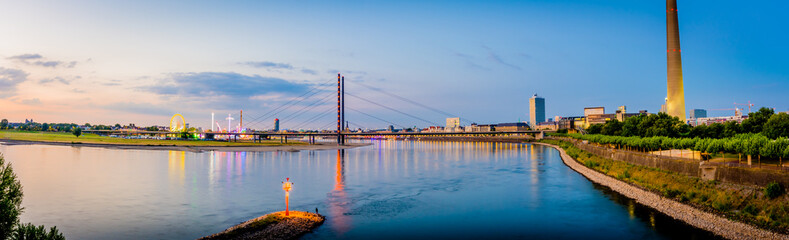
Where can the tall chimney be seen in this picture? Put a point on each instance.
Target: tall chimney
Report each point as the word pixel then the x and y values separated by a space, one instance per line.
pixel 675 97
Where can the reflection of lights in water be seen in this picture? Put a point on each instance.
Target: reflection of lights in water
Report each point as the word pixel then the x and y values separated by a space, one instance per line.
pixel 176 164
pixel 338 200
pixel 631 209
pixel 652 219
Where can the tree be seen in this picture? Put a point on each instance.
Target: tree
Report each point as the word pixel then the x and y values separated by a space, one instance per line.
pixel 4 124
pixel 730 129
pixel 753 146
pixel 77 131
pixel 777 126
pixel 594 129
pixel 612 128
pixel 10 199
pixel 756 120
pixel 11 208
pixel 33 232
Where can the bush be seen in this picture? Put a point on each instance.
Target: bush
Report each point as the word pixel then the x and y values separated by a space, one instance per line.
pixel 10 199
pixel 31 232
pixel 773 190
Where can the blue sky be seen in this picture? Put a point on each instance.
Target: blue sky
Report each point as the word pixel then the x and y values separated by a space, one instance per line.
pixel 142 61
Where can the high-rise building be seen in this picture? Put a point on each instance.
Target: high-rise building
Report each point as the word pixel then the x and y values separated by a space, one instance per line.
pixel 698 113
pixel 675 98
pixel 276 125
pixel 452 124
pixel 536 110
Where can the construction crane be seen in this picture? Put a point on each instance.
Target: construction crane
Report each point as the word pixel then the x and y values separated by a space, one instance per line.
pixel 742 104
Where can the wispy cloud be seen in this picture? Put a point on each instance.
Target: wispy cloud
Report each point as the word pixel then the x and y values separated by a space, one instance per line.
pixel 25 57
pixel 38 60
pixel 58 79
pixel 309 71
pixel 9 79
pixel 470 62
pixel 33 101
pixel 227 84
pixel 275 66
pixel 495 58
pixel 268 65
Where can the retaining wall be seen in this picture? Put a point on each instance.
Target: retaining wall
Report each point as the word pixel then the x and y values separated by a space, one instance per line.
pixel 695 168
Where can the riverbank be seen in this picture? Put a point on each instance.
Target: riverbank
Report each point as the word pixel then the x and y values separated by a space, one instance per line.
pixel 272 226
pixel 696 217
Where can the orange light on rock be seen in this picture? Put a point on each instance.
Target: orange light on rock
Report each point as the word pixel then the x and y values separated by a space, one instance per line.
pixel 287 185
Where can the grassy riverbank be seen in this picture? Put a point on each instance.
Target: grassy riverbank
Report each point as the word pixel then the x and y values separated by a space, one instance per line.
pixel 742 203
pixel 60 137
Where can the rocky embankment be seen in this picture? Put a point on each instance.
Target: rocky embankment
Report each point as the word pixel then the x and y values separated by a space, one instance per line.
pixel 693 216
pixel 272 226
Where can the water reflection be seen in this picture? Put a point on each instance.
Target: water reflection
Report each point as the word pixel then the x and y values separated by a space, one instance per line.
pixel 338 199
pixel 391 189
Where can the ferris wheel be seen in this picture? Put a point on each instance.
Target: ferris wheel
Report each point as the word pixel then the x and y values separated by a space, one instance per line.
pixel 177 123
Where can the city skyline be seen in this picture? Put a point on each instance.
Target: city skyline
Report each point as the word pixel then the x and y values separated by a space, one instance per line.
pixel 143 62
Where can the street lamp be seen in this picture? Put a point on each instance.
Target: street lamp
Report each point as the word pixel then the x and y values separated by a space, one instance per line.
pixel 287 185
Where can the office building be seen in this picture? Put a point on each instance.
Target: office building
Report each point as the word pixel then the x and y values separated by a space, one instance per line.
pixel 698 113
pixel 536 110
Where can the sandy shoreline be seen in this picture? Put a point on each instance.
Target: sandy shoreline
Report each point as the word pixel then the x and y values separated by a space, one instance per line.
pixel 250 148
pixel 688 214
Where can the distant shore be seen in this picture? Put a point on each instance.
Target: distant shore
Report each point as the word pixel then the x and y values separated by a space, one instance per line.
pixel 192 148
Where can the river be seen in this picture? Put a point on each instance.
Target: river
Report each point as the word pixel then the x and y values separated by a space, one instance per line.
pixel 388 190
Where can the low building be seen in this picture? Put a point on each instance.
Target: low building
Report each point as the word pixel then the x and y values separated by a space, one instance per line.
pixel 480 128
pixel 547 126
pixel 710 120
pixel 512 127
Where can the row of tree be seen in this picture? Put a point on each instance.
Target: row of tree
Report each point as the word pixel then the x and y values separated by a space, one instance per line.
pixel 764 121
pixel 54 127
pixel 748 144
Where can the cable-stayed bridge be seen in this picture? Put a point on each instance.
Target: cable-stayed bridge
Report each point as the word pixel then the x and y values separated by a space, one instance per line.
pixel 317 105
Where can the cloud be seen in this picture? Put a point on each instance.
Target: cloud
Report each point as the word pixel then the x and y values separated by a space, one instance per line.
pixel 309 71
pixel 59 79
pixel 223 84
pixel 469 60
pixel 34 101
pixel 76 90
pixel 9 79
pixel 268 65
pixel 493 57
pixel 25 57
pixel 39 61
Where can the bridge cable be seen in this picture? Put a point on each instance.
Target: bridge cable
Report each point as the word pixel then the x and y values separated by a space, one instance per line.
pixel 316 117
pixel 401 112
pixel 376 117
pixel 411 101
pixel 292 102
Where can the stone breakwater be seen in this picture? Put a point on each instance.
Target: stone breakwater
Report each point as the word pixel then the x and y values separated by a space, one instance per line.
pixel 693 216
pixel 272 226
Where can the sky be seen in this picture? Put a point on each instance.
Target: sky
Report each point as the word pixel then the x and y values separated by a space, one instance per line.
pixel 107 62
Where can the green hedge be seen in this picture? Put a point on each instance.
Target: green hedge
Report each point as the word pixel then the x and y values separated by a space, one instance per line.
pixel 747 144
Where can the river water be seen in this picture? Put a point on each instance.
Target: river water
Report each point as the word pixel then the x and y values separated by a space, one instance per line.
pixel 388 190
